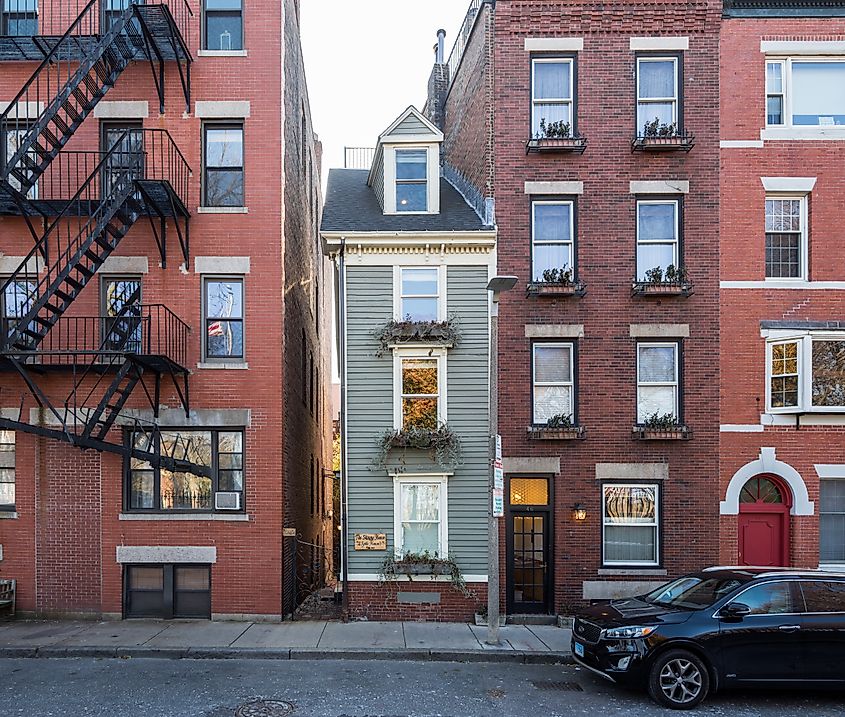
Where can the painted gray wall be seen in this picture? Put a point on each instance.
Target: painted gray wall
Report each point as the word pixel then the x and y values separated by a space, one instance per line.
pixel 378 180
pixel 411 125
pixel 370 412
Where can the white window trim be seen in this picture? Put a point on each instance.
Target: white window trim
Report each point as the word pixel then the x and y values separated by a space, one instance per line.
pixel 432 178
pixel 788 94
pixel 546 242
pixel 570 101
pixel 676 384
pixel 439 479
pixel 656 525
pixel 675 245
pixel 805 371
pixel 570 347
pixel 418 353
pixel 441 290
pixel 804 243
pixel 655 100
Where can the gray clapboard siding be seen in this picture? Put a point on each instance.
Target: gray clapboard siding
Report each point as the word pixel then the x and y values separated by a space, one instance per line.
pixel 369 303
pixel 411 125
pixel 378 178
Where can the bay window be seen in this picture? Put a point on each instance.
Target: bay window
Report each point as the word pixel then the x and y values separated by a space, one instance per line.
pixel 630 528
pixel 657 381
pixel 420 515
pixel 806 374
pixel 553 382
pixel 658 236
pixel 805 92
pixel 552 90
pixel 552 239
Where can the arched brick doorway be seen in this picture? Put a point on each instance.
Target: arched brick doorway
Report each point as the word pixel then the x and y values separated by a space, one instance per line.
pixel 764 504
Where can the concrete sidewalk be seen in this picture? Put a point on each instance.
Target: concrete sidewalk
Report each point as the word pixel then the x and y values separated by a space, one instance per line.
pixel 317 640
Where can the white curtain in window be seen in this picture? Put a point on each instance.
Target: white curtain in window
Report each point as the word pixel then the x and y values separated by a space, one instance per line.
pixel 551 81
pixel 420 505
pixel 657 79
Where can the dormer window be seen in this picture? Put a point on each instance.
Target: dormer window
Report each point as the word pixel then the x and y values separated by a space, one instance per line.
pixel 411 180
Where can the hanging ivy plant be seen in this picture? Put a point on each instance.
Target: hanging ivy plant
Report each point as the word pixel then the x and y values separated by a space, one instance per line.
pixel 442 442
pixel 406 332
pixel 426 564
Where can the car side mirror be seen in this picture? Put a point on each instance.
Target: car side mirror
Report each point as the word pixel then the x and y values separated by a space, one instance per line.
pixel 736 610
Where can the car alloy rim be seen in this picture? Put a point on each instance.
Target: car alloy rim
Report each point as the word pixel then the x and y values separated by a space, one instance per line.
pixel 680 680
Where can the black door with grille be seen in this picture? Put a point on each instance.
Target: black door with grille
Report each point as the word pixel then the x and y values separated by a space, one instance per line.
pixel 167 591
pixel 529 546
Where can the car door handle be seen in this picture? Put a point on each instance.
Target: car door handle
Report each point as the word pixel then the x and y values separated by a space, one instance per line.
pixel 789 628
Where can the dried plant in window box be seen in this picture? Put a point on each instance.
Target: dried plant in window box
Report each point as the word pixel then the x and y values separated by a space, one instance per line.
pixel 661 427
pixel 424 563
pixel 557 428
pixel 442 443
pixel 396 333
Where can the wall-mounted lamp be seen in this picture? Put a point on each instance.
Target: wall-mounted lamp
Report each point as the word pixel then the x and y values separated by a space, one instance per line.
pixel 579 511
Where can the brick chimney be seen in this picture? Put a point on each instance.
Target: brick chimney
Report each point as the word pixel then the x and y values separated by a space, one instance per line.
pixel 438 84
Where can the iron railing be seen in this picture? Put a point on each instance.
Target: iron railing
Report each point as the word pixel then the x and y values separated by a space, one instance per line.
pixel 144 330
pixel 462 40
pixel 51 18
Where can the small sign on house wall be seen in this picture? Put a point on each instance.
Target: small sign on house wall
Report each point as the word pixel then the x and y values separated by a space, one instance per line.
pixel 370 541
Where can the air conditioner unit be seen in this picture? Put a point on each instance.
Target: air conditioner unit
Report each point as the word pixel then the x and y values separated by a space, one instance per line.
pixel 227 501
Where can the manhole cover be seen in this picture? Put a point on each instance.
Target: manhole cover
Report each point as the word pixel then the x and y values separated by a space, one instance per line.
pixel 559 686
pixel 264 708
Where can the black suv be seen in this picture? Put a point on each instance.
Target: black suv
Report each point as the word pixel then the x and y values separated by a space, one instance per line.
pixel 718 628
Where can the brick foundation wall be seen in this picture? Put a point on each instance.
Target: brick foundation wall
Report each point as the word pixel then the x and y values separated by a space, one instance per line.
pixel 375 601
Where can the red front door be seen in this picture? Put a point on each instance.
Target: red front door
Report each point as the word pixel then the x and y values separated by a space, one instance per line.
pixel 764 523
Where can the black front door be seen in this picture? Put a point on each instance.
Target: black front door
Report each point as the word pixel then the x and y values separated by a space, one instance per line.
pixel 529 545
pixel 168 591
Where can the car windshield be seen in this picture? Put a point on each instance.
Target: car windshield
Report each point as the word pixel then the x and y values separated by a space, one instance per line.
pixel 693 592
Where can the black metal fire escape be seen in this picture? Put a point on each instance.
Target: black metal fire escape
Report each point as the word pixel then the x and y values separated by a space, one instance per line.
pixel 78 207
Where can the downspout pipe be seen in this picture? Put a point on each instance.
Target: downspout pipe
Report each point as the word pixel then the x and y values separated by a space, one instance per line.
pixel 344 481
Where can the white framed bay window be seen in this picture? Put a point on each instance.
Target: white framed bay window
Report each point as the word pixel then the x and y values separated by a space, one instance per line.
pixel 420 514
pixel 806 373
pixel 630 524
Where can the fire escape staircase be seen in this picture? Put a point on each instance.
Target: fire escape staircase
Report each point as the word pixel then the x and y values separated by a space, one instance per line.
pixel 142 174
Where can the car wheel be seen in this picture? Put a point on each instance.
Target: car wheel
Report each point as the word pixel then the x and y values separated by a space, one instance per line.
pixel 679 680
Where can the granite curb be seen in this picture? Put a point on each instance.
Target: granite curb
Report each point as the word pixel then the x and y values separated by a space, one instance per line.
pixel 231 653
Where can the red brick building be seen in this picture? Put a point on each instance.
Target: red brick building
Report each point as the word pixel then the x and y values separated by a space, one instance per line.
pixel 592 134
pixel 783 125
pixel 166 436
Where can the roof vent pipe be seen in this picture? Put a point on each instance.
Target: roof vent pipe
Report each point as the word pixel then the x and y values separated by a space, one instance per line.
pixel 441 46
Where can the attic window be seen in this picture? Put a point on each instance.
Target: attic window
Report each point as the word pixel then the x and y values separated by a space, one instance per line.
pixel 411 180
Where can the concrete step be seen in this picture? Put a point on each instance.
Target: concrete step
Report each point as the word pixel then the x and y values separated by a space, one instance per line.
pixel 531 619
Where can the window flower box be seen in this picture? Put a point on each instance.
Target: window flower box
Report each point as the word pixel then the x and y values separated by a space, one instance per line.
pixel 400 333
pixel 680 142
pixel 663 288
pixel 573 289
pixel 442 443
pixel 545 433
pixel 575 145
pixel 673 433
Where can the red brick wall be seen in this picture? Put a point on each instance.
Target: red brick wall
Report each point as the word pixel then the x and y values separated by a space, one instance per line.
pixel 743 360
pixel 377 601
pixel 606 255
pixel 279 236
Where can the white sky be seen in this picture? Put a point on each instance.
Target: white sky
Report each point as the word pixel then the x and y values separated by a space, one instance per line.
pixel 366 61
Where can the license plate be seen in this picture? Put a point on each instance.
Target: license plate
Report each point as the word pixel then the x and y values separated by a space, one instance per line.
pixel 579 649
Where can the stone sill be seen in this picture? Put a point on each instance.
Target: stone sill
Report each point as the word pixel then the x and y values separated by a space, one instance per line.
pixel 227 366
pixel 222 53
pixel 218 517
pixel 8 515
pixel 632 572
pixel 222 210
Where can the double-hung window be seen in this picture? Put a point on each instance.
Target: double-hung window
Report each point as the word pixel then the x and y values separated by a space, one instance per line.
pixel 657 381
pixel 223 183
pixel 552 239
pixel 223 26
pixel 806 374
pixel 420 511
pixel 162 489
pixel 11 141
pixel 420 392
pixel 223 310
pixel 15 302
pixel 419 294
pixel 7 470
pixel 19 18
pixel 658 95
pixel 553 382
pixel 630 534
pixel 832 521
pixel 786 238
pixel 805 92
pixel 552 93
pixel 411 180
pixel 658 235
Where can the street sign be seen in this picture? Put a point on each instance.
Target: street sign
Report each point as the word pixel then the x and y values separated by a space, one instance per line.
pixel 498 447
pixel 498 502
pixel 498 475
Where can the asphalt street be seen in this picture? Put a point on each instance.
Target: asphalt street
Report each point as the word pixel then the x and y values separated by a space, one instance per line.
pixel 200 688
